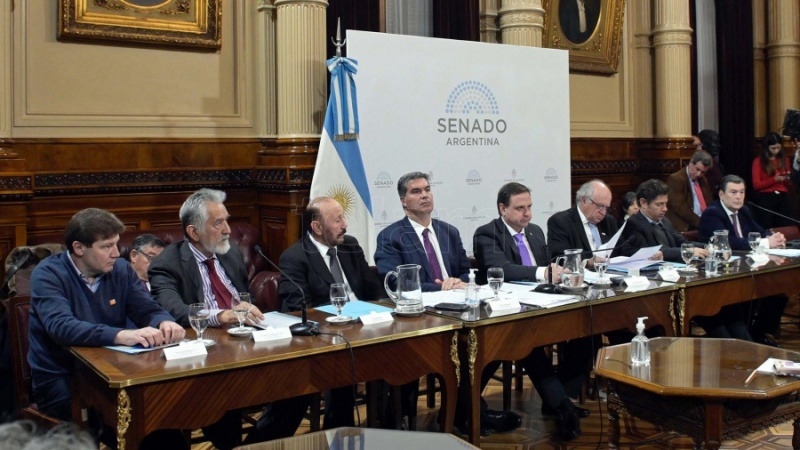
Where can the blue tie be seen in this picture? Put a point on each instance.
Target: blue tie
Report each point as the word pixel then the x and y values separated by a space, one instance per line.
pixel 595 236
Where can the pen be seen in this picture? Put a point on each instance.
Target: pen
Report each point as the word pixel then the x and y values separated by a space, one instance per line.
pixel 750 378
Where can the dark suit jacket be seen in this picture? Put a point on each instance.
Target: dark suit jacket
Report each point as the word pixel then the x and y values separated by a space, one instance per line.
pixel 570 21
pixel 399 244
pixel 681 202
pixel 306 266
pixel 565 231
pixel 175 280
pixel 494 246
pixel 643 234
pixel 715 218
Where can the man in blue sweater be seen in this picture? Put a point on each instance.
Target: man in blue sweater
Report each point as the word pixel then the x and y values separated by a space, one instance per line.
pixel 87 296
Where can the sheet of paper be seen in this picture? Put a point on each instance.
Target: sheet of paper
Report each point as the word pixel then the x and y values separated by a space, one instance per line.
pixel 611 242
pixel 639 260
pixel 356 309
pixel 137 348
pixel 453 296
pixel 277 320
pixel 789 252
pixel 767 366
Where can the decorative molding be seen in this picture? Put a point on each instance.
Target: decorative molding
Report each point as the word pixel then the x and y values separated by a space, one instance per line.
pixel 104 183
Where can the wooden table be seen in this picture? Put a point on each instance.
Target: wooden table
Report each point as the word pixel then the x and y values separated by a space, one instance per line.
pixel 697 387
pixel 741 282
pixel 512 337
pixel 138 394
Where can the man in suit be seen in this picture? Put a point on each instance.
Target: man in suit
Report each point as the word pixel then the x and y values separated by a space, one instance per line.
pixel 587 225
pixel 325 249
pixel 143 249
pixel 650 227
pixel 730 213
pixel 435 246
pixel 420 239
pixel 578 19
pixel 204 268
pixel 516 245
pixel 689 192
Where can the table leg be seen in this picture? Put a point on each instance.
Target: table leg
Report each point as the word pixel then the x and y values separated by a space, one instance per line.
pixel 123 417
pixel 613 429
pixel 474 388
pixel 713 425
pixel 796 435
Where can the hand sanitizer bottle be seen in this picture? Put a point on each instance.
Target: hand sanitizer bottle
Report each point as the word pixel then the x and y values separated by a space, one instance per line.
pixel 640 346
pixel 471 296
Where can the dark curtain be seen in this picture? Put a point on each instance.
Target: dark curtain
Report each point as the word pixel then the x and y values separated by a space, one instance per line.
pixel 361 15
pixel 456 19
pixel 736 86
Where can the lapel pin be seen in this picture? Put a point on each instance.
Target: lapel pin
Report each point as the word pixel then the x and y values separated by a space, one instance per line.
pixel 112 302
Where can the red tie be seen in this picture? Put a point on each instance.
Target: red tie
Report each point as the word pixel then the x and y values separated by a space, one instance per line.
pixel 735 221
pixel 221 293
pixel 699 192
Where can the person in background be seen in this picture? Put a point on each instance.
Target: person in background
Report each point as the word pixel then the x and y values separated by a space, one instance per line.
pixel 709 141
pixel 143 249
pixel 629 204
pixel 689 192
pixel 771 181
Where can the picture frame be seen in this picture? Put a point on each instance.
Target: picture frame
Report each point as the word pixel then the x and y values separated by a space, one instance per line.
pixel 595 48
pixel 190 23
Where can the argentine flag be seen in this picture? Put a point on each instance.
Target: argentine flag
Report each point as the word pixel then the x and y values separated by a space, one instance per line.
pixel 339 172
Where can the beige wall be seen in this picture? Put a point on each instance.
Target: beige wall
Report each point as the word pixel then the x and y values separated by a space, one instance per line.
pixel 88 89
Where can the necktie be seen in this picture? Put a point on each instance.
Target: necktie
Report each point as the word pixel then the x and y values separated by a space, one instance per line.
pixel 661 236
pixel 523 251
pixel 221 293
pixel 595 235
pixel 336 270
pixel 735 220
pixel 433 261
pixel 699 193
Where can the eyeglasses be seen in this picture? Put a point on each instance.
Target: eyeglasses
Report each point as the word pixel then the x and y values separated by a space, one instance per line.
pixel 605 208
pixel 148 256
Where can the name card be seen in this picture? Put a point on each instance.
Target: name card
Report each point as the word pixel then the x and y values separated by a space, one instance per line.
pixel 503 305
pixel 376 317
pixel 636 283
pixel 669 275
pixel 272 334
pixel 186 349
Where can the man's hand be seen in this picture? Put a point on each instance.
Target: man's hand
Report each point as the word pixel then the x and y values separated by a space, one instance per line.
pixel 254 315
pixel 227 316
pixel 700 252
pixel 451 283
pixel 657 256
pixel 172 331
pixel 776 240
pixel 147 337
pixel 555 271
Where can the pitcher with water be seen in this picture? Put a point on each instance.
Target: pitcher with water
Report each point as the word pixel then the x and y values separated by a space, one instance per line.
pixel 572 275
pixel 408 297
pixel 722 246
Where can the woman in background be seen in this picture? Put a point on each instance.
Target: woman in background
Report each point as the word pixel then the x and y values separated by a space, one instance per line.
pixel 771 182
pixel 629 204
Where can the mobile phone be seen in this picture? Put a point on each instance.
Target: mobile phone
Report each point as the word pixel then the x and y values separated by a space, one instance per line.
pixel 451 306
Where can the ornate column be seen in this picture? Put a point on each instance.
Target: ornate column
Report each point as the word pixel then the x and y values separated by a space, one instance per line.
pixel 488 17
pixel 672 40
pixel 642 67
pixel 783 58
pixel 760 67
pixel 268 19
pixel 522 22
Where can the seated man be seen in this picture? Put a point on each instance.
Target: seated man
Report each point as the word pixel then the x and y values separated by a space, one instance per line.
pixel 436 246
pixel 324 255
pixel 204 268
pixel 143 249
pixel 586 225
pixel 518 246
pixel 87 296
pixel 689 192
pixel 730 213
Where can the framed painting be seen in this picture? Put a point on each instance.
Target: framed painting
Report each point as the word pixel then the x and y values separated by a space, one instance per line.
pixel 590 29
pixel 192 23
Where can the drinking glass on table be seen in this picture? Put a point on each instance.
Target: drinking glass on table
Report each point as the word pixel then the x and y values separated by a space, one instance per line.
pixel 687 253
pixel 495 277
pixel 600 261
pixel 754 239
pixel 241 309
pixel 338 299
pixel 198 319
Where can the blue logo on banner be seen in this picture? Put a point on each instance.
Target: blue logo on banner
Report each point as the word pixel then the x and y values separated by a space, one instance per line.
pixel 471 97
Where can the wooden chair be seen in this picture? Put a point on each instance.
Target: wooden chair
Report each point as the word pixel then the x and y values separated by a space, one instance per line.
pixel 19 318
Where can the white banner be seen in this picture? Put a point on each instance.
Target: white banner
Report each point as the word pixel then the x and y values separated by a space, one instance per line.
pixel 473 116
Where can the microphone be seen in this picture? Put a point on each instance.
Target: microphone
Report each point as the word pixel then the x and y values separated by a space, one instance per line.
pixel 304 328
pixel 795 221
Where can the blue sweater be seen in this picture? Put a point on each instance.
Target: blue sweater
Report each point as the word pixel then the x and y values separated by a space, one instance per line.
pixel 65 312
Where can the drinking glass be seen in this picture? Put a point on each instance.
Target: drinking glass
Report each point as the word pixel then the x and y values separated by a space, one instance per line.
pixel 687 253
pixel 600 264
pixel 198 319
pixel 241 309
pixel 754 239
pixel 338 299
pixel 495 278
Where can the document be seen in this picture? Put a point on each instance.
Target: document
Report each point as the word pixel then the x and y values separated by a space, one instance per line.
pixel 356 309
pixel 277 320
pixel 136 349
pixel 524 294
pixel 611 243
pixel 640 260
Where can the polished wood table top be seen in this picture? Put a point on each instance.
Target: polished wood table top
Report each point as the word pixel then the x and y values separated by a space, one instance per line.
pixel 138 394
pixel 700 388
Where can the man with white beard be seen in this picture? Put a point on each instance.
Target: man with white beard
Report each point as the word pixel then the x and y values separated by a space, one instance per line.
pixel 203 268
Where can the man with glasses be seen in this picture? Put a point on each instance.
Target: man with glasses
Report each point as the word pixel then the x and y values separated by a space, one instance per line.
pixel 689 192
pixel 587 225
pixel 144 248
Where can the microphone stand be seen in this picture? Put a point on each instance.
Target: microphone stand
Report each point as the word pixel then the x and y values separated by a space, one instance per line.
pixel 793 220
pixel 304 328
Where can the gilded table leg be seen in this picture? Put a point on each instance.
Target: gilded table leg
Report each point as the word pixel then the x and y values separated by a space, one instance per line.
pixel 123 417
pixel 472 354
pixel 677 309
pixel 454 357
pixel 474 389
